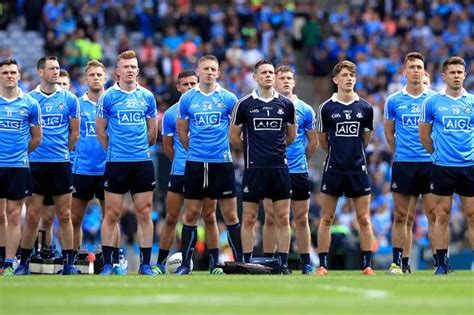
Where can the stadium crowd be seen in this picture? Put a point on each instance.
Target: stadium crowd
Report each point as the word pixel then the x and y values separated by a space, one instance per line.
pixel 170 36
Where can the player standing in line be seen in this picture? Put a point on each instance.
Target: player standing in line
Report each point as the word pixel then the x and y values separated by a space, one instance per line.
pixel 411 169
pixel 205 113
pixel 446 132
pixel 126 127
pixel 268 123
pixel 50 163
pixel 48 212
pixel 20 131
pixel 345 127
pixel 3 228
pixel 298 153
pixel 89 159
pixel 175 195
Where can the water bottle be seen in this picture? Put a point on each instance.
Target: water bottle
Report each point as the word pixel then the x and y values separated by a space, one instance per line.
pixel 123 263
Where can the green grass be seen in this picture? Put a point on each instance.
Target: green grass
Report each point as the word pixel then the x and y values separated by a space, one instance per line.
pixel 341 292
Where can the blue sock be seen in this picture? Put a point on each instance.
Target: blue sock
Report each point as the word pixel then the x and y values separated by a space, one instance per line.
pixel 235 241
pixel 442 257
pixel 213 257
pixel 68 257
pixel 283 258
pixel 145 255
pixel 366 259
pixel 247 257
pixel 269 255
pixel 188 239
pixel 107 254
pixel 25 257
pixel 405 262
pixel 305 259
pixel 115 255
pixel 2 256
pixel 323 260
pixel 397 254
pixel 8 263
pixel 162 255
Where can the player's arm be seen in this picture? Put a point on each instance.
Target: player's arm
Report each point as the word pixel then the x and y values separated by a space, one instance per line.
pixel 367 137
pixel 74 124
pixel 389 130
pixel 168 147
pixel 424 130
pixel 101 131
pixel 151 130
pixel 36 134
pixel 290 133
pixel 235 139
pixel 182 125
pixel 312 144
pixel 323 141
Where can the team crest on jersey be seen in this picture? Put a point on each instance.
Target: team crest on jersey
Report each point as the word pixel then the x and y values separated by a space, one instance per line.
pixel 280 111
pixel 219 104
pixel 61 106
pixel 347 113
pixel 22 112
pixel 468 109
pixel 359 115
pixel 142 103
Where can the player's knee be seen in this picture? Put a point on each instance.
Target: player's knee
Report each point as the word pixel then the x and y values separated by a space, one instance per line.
pixel 144 216
pixel 64 216
pixel 13 217
pixel 400 217
pixel 3 219
pixel 283 220
pixel 209 219
pixel 364 221
pixel 301 221
pixel 191 215
pixel 33 218
pixel 76 221
pixel 327 219
pixel 249 219
pixel 470 217
pixel 171 220
pixel 442 217
pixel 410 220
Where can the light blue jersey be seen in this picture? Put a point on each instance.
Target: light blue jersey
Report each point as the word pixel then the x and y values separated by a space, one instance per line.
pixel 404 109
pixel 296 152
pixel 89 157
pixel 127 113
pixel 209 116
pixel 56 111
pixel 16 117
pixel 452 128
pixel 169 130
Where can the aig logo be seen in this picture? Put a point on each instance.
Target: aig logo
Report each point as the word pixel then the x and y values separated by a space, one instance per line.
pixel 90 129
pixel 211 119
pixel 130 117
pixel 267 123
pixel 454 123
pixel 410 120
pixel 10 124
pixel 51 120
pixel 347 129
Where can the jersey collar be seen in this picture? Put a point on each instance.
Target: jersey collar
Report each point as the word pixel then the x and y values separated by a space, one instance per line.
pixel 335 99
pixel 443 92
pixel 118 88
pixel 266 100
pixel 218 89
pixel 405 92
pixel 86 98
pixel 21 94
pixel 38 89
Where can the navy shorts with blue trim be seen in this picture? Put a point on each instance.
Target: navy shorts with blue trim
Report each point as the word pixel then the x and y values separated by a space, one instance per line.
pixel 86 187
pixel 209 180
pixel 301 186
pixel 176 184
pixel 349 185
pixel 136 177
pixel 260 183
pixel 411 178
pixel 449 180
pixel 51 178
pixel 15 183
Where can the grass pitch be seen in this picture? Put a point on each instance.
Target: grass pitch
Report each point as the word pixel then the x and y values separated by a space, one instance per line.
pixel 343 292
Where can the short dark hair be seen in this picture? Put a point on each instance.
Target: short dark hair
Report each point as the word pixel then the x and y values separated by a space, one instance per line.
pixel 344 64
pixel 186 73
pixel 64 73
pixel 412 56
pixel 8 62
pixel 261 63
pixel 42 61
pixel 454 60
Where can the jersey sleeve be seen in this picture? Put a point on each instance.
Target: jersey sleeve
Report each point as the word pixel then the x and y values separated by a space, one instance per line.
pixel 183 107
pixel 73 105
pixel 151 108
pixel 291 113
pixel 35 113
pixel 310 119
pixel 389 109
pixel 369 118
pixel 426 114
pixel 103 107
pixel 231 100
pixel 238 114
pixel 322 119
pixel 169 124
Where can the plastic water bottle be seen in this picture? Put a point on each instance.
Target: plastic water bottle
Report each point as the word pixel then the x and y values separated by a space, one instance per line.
pixel 123 263
pixel 91 259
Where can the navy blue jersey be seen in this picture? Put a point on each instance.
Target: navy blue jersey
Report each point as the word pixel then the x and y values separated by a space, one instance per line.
pixel 345 125
pixel 264 124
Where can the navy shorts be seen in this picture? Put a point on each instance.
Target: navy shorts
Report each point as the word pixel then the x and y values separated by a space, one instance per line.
pixel 51 178
pixel 176 184
pixel 301 186
pixel 349 185
pixel 15 183
pixel 448 180
pixel 411 178
pixel 136 177
pixel 87 186
pixel 209 180
pixel 260 183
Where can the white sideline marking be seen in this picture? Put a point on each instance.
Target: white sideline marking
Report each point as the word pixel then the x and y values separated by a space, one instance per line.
pixel 368 293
